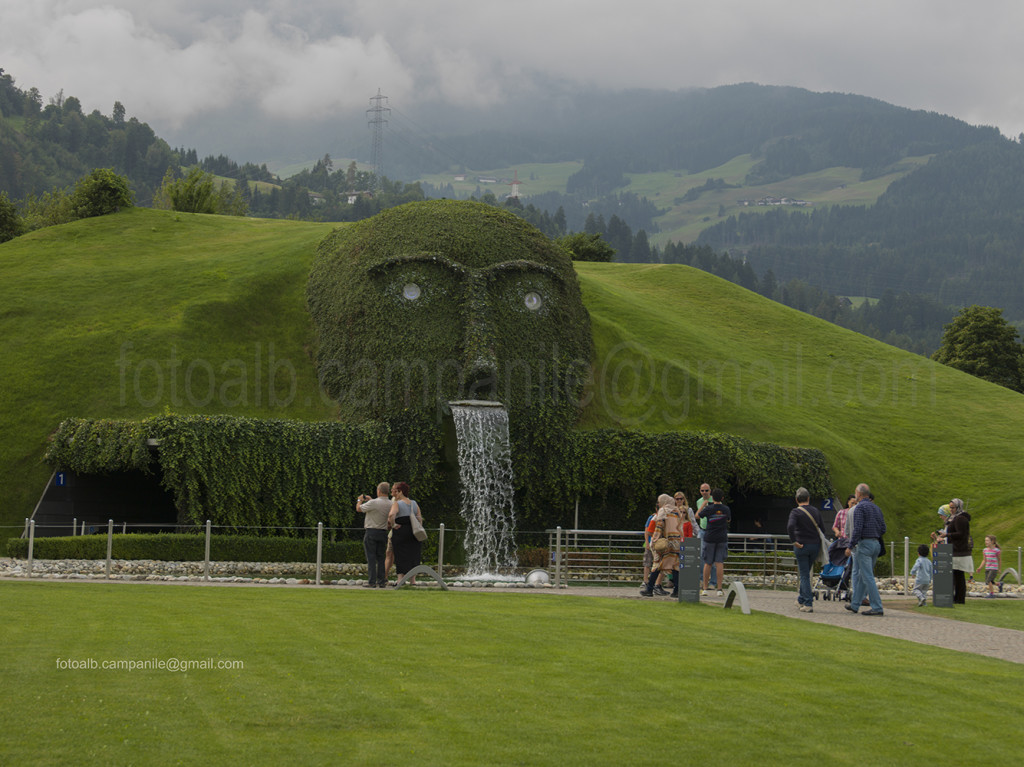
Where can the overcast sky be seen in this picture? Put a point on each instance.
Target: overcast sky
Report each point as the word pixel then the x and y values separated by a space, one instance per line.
pixel 170 62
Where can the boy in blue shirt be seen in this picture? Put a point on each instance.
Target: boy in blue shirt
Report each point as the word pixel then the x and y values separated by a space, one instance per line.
pixel 922 572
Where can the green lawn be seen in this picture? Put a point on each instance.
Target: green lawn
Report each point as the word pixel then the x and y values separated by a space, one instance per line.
pixel 1003 613
pixel 433 678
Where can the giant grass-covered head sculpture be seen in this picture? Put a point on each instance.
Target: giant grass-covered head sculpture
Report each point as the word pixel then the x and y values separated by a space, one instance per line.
pixel 438 301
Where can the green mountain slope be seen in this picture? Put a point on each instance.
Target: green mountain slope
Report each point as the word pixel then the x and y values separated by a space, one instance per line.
pixel 678 348
pixel 123 316
pixel 684 218
pixel 131 315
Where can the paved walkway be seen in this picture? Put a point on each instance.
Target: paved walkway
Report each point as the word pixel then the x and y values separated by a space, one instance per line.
pixel 901 621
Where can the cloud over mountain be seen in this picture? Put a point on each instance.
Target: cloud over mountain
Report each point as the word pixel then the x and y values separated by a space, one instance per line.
pixel 174 61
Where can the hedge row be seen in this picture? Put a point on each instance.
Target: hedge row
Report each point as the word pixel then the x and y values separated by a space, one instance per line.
pixel 188 547
pixel 242 472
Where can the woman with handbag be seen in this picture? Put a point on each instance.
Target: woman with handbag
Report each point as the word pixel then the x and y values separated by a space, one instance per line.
pixel 408 550
pixel 807 532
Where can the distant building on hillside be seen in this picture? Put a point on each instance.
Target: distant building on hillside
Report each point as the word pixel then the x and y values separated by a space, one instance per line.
pixel 773 201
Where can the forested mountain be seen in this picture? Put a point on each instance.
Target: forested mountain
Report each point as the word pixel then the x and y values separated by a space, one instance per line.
pixel 43 148
pixel 954 230
pixel 790 130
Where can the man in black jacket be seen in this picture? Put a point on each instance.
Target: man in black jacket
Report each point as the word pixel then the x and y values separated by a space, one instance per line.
pixel 805 530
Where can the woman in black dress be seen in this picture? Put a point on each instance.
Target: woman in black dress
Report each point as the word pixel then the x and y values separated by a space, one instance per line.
pixel 407 549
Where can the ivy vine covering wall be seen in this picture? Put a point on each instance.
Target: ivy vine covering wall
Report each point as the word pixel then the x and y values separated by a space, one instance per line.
pixel 618 474
pixel 437 301
pixel 241 472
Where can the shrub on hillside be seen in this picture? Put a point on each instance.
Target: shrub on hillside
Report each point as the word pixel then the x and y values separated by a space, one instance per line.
pixel 100 193
pixel 199 192
pixel 48 209
pixel 11 223
pixel 97 194
pixel 587 247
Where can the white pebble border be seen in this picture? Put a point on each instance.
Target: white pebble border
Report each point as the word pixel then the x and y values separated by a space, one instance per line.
pixel 334 574
pixel 220 572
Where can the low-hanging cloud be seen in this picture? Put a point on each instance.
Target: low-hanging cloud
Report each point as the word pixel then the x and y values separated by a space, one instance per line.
pixel 174 61
pixel 107 54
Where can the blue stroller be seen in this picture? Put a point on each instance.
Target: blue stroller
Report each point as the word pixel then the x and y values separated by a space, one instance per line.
pixel 834 579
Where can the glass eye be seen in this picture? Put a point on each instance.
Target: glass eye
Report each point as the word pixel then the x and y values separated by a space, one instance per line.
pixel 411 291
pixel 533 301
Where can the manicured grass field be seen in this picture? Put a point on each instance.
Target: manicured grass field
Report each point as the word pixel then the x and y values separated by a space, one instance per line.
pixel 1003 613
pixel 432 678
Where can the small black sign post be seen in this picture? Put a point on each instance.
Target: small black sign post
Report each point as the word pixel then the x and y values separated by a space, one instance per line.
pixel 942 583
pixel 689 570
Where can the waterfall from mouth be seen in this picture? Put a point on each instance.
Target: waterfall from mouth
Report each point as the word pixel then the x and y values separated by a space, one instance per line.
pixel 485 474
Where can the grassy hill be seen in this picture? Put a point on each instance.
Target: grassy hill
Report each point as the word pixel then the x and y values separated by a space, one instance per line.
pixel 131 315
pixel 692 351
pixel 124 316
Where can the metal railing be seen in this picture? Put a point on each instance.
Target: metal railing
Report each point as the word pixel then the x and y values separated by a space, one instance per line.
pixel 445 547
pixel 609 557
pixel 616 557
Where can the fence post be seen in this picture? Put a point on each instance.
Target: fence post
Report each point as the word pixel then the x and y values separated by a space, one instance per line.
pixel 558 556
pixel 440 550
pixel 110 543
pixel 30 525
pixel 83 527
pixel 206 559
pixel 319 549
pixel 124 528
pixel 906 565
pixel 576 526
pixel 74 526
pixel 775 564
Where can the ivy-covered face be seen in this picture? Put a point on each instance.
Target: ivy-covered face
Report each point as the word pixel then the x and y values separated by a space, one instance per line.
pixel 441 301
